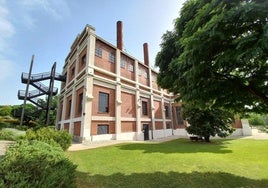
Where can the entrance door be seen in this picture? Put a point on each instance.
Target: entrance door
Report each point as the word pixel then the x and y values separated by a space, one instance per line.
pixel 146 131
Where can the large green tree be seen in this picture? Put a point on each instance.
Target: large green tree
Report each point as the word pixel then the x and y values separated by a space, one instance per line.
pixel 217 54
pixel 208 122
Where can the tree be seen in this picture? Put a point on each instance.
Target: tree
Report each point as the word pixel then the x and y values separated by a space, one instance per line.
pixel 217 55
pixel 37 114
pixel 208 122
pixel 5 110
pixel 30 113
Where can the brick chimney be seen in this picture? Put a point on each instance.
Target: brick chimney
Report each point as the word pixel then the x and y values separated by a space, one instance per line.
pixel 146 54
pixel 120 35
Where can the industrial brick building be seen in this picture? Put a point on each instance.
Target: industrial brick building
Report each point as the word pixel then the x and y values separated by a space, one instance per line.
pixel 110 95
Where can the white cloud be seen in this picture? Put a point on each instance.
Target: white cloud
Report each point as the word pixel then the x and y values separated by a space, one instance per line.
pixel 7 29
pixel 56 9
pixel 23 13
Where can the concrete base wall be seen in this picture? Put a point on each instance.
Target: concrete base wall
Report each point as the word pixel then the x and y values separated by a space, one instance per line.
pixel 181 132
pixel 126 136
pixel 159 134
pixel 102 137
pixel 246 128
pixel 139 136
pixel 237 132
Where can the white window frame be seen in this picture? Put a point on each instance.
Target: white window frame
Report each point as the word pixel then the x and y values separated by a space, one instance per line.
pixel 98 52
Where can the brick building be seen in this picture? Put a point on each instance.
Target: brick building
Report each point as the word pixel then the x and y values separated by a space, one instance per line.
pixel 110 95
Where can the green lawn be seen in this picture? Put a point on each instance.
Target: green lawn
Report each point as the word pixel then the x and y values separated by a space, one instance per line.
pixel 178 163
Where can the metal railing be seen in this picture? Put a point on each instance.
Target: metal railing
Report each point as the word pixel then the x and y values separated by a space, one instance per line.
pixel 42 76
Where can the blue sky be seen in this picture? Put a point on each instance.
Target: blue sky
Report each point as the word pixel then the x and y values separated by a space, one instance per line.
pixel 47 28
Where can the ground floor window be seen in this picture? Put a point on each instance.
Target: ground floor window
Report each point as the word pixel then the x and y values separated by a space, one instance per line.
pixel 168 126
pixel 103 129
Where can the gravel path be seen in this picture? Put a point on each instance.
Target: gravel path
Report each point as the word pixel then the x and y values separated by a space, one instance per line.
pixel 3 146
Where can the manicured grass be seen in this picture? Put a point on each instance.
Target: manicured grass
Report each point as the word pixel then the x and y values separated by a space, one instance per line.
pixel 178 163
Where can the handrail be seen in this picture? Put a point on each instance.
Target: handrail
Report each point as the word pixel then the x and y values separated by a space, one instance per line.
pixel 31 94
pixel 40 85
pixel 44 75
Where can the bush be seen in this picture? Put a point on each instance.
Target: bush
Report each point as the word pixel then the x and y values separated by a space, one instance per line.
pixel 258 119
pixel 50 136
pixel 6 134
pixel 36 164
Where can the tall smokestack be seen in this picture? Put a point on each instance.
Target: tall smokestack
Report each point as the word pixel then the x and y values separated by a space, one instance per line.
pixel 146 54
pixel 120 35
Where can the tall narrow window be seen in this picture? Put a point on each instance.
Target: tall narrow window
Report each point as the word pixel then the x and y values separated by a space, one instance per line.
pixel 84 60
pixel 123 63
pixel 80 103
pixel 146 74
pixel 70 108
pixel 167 111
pixel 103 102
pixel 72 71
pixel 144 108
pixel 98 52
pixel 131 68
pixel 140 72
pixel 179 115
pixel 111 57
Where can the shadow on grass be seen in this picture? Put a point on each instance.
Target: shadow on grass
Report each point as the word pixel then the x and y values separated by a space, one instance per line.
pixel 179 146
pixel 170 179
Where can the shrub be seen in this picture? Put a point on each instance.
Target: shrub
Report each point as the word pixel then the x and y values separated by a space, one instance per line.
pixel 6 134
pixel 258 119
pixel 12 121
pixel 36 164
pixel 50 136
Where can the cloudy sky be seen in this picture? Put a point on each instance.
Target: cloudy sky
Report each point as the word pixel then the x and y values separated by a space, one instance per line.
pixel 47 28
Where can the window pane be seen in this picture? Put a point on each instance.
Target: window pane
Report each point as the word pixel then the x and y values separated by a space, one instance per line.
pixel 103 129
pixel 80 103
pixel 131 68
pixel 98 52
pixel 84 58
pixel 123 64
pixel 103 102
pixel 144 108
pixel 167 111
pixel 111 57
pixel 70 107
pixel 179 116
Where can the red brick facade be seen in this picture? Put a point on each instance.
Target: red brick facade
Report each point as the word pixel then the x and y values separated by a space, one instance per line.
pixel 111 95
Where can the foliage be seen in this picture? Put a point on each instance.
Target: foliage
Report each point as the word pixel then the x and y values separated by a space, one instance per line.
pixel 50 136
pixel 217 55
pixel 258 119
pixel 7 125
pixel 179 163
pixel 208 122
pixel 11 134
pixel 5 110
pixel 36 164
pixel 35 114
pixel 6 134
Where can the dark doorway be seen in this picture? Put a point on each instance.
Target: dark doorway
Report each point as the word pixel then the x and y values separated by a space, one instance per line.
pixel 146 131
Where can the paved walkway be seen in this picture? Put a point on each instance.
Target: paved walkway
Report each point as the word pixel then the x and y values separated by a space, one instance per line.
pixel 89 145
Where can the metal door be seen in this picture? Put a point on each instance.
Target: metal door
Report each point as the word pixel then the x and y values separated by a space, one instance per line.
pixel 146 131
